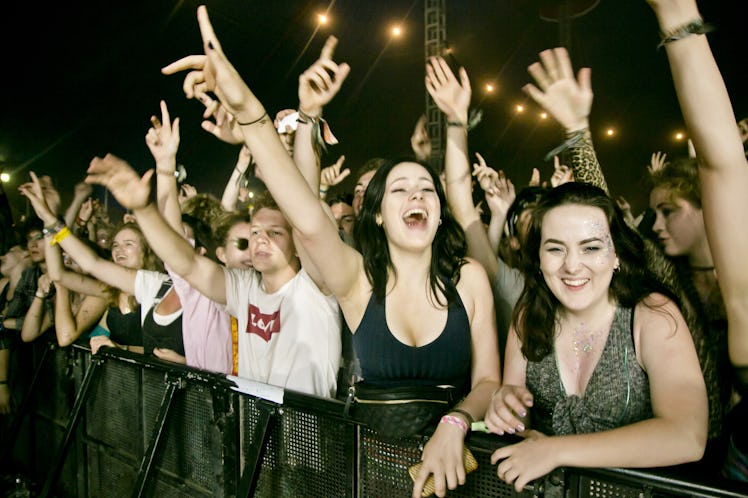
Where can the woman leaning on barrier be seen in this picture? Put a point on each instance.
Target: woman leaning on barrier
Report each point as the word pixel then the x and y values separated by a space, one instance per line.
pixel 599 360
pixel 411 290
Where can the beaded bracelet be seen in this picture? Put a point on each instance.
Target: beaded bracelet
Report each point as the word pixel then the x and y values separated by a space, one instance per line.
pixel 694 27
pixel 452 420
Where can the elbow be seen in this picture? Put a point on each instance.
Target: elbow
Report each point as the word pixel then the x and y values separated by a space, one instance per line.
pixel 692 442
pixel 64 338
pixel 64 342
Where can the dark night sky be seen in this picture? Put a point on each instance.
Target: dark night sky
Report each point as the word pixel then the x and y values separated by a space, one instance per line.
pixel 82 78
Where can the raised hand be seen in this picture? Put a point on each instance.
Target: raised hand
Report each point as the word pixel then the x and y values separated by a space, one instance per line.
pixel 82 190
pixel 37 196
pixel 322 81
pixel 130 190
pixel 501 196
pixel 186 191
pixel 486 176
pixel 657 162
pixel 534 178
pixel 86 210
pixel 331 175
pixel 561 173
pixel 51 195
pixel 213 72
pixel 508 409
pixel 224 125
pixel 420 141
pixel 452 96
pixel 162 139
pixel 567 99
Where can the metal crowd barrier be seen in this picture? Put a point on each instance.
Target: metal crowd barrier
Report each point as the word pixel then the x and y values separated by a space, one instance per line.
pixel 120 424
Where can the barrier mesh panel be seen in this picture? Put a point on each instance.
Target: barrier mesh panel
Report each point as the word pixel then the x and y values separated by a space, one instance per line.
pixel 307 455
pixel 109 474
pixel 595 488
pixel 191 443
pixel 54 394
pixel 112 412
pixel 383 470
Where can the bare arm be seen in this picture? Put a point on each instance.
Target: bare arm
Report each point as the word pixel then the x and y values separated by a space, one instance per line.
pixel 723 171
pixel 133 192
pixel 678 428
pixel 69 327
pixel 80 194
pixel 231 192
pixel 106 271
pixel 443 453
pixel 341 265
pixel 37 321
pixel 163 141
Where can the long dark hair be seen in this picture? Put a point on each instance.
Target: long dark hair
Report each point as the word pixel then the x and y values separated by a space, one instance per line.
pixel 448 249
pixel 535 314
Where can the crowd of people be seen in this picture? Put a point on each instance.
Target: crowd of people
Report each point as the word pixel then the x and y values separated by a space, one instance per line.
pixel 550 309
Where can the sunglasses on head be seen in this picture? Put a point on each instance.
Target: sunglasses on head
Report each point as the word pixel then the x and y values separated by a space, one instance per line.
pixel 240 243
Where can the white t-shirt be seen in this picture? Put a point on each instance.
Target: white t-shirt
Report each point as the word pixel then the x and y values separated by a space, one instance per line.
pixel 291 338
pixel 147 284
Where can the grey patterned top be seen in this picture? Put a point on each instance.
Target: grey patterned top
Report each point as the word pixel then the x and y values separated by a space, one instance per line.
pixel 617 393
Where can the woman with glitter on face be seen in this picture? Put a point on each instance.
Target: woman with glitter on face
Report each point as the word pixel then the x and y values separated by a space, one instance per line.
pixel 599 360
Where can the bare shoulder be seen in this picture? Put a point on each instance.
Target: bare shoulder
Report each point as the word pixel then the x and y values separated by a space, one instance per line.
pixel 658 313
pixel 473 272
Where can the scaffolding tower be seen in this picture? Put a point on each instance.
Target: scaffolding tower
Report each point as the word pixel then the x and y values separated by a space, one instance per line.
pixel 435 45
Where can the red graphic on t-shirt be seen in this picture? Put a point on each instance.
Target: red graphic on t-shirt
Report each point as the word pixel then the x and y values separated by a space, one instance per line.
pixel 261 324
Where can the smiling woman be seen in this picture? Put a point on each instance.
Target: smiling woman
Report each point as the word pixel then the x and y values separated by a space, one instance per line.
pixel 585 351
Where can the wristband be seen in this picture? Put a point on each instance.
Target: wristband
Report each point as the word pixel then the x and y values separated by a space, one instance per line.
pixel 452 420
pixel 60 236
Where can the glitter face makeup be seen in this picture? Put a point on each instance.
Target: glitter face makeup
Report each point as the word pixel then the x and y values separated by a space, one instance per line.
pixel 577 257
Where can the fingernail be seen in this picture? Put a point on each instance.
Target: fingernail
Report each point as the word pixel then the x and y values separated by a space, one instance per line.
pixel 510 431
pixel 523 413
pixel 521 428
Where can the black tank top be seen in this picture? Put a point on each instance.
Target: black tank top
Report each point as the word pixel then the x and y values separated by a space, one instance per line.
pixel 387 362
pixel 167 336
pixel 124 328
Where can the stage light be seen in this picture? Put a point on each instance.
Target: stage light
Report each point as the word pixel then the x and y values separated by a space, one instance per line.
pixel 519 108
pixel 322 18
pixel 5 178
pixel 396 31
pixel 543 115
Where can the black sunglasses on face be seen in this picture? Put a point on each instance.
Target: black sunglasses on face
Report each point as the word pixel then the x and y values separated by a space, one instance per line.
pixel 240 243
